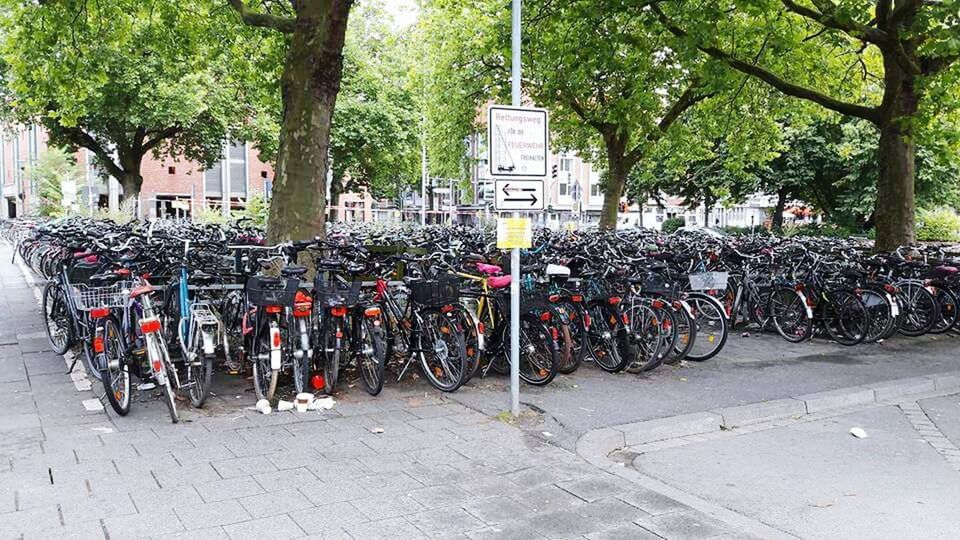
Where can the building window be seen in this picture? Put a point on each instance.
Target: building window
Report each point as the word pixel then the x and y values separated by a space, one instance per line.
pixel 595 190
pixel 564 188
pixel 566 164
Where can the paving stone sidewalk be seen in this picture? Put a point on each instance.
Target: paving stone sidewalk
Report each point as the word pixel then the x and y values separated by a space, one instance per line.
pixel 439 469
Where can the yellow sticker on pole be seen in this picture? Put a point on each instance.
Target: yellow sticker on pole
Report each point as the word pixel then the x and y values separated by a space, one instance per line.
pixel 514 233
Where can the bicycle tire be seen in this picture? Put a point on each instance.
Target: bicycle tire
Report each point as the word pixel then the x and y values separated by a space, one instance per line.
pixel 116 383
pixel 712 327
pixel 539 354
pixel 789 315
pixel 55 310
pixel 440 339
pixel 844 317
pixel 372 363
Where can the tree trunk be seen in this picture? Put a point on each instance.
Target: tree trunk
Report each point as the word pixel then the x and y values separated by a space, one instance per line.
pixel 310 83
pixel 776 221
pixel 895 207
pixel 617 171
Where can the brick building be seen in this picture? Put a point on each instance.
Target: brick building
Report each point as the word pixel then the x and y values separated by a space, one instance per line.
pixel 171 187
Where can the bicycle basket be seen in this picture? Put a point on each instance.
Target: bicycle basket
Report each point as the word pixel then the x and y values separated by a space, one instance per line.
pixel 439 291
pixel 332 294
pixel 706 281
pixel 268 291
pixel 114 296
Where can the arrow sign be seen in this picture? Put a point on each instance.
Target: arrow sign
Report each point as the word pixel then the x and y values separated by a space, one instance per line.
pixel 519 195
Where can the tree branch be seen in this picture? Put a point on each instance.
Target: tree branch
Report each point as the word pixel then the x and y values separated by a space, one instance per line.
pixel 904 11
pixel 161 136
pixel 85 140
pixel 854 29
pixel 263 20
pixel 859 111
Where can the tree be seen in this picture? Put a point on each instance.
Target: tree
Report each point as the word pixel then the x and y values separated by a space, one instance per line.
pixel 375 139
pixel 123 79
pixel 618 86
pixel 58 179
pixel 315 31
pixel 902 51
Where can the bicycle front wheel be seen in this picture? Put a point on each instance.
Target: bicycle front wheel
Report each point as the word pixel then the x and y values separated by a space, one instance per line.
pixel 443 356
pixel 56 318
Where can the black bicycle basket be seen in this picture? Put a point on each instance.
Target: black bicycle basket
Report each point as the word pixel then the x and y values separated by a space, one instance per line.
pixel 442 290
pixel 336 293
pixel 269 291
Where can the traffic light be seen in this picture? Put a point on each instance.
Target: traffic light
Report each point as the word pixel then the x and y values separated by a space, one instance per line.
pixel 553 174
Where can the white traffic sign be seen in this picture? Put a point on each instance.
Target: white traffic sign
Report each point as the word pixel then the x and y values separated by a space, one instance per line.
pixel 519 195
pixel 518 142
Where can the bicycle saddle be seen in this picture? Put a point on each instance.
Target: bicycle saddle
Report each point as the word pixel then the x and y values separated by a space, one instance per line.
pixel 102 280
pixel 489 269
pixel 293 270
pixel 202 278
pixel 499 282
pixel 943 271
pixel 328 264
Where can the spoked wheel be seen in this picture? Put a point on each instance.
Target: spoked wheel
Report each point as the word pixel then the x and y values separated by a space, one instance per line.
pixel 199 377
pixel 609 344
pixel 921 309
pixel 372 355
pixel 644 336
pixel 264 378
pixel 845 318
pixel 331 350
pixel 789 315
pixel 443 355
pixel 116 376
pixel 879 314
pixel 56 318
pixel 578 337
pixel 712 327
pixel 539 354
pixel 947 302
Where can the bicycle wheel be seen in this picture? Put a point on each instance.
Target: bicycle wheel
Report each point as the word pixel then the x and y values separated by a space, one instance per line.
pixel 644 336
pixel 578 336
pixel 199 371
pixel 789 315
pixel 609 343
pixel 539 354
pixel 372 357
pixel 845 318
pixel 947 304
pixel 116 379
pixel 56 318
pixel 686 334
pixel 331 350
pixel 712 327
pixel 264 377
pixel 921 311
pixel 443 356
pixel 879 312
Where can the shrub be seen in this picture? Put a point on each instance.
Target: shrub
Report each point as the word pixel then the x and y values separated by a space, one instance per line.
pixel 939 224
pixel 671 225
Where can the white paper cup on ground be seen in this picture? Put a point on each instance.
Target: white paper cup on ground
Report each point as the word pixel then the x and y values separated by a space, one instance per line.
pixel 263 406
pixel 284 405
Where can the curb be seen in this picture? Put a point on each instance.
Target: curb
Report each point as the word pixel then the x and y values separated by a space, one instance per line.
pixel 778 409
pixel 596 445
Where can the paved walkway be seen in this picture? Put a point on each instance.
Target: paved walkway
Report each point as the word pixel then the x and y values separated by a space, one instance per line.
pixel 438 469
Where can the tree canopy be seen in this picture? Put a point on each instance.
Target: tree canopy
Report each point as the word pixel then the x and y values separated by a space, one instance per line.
pixel 125 78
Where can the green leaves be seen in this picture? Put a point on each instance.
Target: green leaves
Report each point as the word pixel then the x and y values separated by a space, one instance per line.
pixel 126 77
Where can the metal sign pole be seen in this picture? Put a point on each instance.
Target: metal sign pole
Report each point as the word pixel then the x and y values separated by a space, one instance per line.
pixel 515 254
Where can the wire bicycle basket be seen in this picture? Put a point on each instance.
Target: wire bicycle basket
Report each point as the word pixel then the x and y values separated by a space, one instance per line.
pixel 87 298
pixel 335 293
pixel 268 291
pixel 442 290
pixel 706 281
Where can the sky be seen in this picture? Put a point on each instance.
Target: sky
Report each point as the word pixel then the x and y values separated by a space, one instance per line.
pixel 405 12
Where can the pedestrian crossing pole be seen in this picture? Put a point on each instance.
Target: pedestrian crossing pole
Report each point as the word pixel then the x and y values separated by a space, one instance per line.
pixel 515 253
